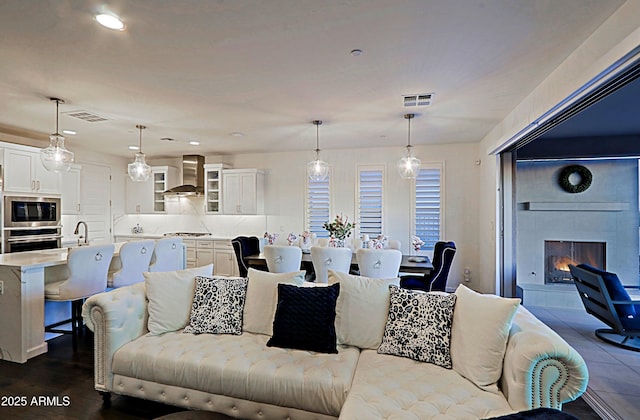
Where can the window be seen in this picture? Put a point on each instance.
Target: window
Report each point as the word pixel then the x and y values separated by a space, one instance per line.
pixel 428 205
pixel 370 199
pixel 318 210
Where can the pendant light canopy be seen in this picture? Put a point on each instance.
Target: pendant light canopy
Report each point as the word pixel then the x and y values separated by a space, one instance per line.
pixel 409 165
pixel 138 170
pixel 317 170
pixel 55 157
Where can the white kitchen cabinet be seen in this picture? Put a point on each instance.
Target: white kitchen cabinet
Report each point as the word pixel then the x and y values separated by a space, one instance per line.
pixel 204 253
pixel 191 252
pixel 163 177
pixel 224 259
pixel 70 200
pixel 243 191
pixel 213 187
pixel 148 196
pixel 25 173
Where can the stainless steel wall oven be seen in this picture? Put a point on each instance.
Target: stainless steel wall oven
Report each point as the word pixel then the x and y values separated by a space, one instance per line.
pixel 31 223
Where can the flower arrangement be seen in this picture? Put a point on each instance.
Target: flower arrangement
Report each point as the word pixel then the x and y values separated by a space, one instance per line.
pixel 340 228
pixel 291 238
pixel 379 242
pixel 271 237
pixel 416 242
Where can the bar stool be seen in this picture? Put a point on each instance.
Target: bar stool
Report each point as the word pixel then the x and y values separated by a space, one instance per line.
pixel 282 258
pixel 135 257
pixel 86 269
pixel 167 255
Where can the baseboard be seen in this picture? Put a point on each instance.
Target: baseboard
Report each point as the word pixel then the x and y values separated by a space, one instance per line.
pixel 600 406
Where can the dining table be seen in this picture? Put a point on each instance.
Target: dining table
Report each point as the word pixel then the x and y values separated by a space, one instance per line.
pixel 410 263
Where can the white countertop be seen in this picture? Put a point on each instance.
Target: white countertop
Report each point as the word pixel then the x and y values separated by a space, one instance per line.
pixel 157 236
pixel 41 258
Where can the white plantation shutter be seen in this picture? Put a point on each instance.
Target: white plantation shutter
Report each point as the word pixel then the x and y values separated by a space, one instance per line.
pixel 318 206
pixel 370 200
pixel 428 206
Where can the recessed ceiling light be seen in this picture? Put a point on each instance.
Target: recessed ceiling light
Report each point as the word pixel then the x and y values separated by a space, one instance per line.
pixel 194 143
pixel 237 134
pixel 356 53
pixel 69 132
pixel 134 148
pixel 110 21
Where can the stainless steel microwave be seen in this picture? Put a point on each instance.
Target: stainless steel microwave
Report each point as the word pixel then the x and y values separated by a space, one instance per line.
pixel 31 211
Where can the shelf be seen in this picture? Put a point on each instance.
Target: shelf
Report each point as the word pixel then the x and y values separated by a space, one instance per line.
pixel 575 206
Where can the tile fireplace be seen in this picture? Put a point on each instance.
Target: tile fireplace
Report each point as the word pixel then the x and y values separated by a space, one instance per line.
pixel 559 254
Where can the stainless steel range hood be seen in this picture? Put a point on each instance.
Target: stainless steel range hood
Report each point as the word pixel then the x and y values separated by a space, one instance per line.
pixel 192 177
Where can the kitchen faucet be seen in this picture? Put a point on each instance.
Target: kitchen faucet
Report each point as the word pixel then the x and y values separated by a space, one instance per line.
pixel 86 233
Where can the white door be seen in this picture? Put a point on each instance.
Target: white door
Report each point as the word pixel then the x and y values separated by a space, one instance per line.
pixel 95 199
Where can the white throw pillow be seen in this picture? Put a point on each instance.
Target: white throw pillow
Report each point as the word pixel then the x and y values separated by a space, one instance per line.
pixel 362 309
pixel 479 335
pixel 170 296
pixel 262 298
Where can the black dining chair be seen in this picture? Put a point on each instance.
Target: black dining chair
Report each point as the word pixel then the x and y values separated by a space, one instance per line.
pixel 244 246
pixel 436 280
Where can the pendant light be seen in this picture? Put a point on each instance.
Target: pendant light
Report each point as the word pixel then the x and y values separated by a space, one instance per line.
pixel 317 170
pixel 138 170
pixel 409 165
pixel 55 157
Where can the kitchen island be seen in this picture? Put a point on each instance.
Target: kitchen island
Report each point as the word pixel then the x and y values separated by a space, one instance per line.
pixel 22 279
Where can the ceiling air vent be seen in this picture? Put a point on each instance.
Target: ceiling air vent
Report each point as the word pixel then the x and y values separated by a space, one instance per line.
pixel 85 116
pixel 419 99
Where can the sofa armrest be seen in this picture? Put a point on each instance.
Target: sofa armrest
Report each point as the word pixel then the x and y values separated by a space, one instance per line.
pixel 540 369
pixel 116 318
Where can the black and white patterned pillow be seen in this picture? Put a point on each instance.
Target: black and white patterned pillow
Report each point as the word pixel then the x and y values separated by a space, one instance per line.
pixel 419 326
pixel 217 306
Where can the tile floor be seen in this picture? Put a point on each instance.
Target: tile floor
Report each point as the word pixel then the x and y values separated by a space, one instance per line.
pixel 614 373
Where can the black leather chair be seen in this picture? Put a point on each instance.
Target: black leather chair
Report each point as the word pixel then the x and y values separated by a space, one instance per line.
pixel 604 297
pixel 436 280
pixel 243 246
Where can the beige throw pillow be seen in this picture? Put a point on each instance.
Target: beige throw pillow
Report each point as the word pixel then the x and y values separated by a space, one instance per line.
pixel 170 295
pixel 262 298
pixel 479 335
pixel 362 309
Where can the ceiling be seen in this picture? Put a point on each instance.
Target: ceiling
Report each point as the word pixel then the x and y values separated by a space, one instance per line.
pixel 202 70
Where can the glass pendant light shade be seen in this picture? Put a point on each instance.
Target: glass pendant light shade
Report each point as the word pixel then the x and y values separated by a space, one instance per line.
pixel 409 165
pixel 317 170
pixel 55 157
pixel 138 170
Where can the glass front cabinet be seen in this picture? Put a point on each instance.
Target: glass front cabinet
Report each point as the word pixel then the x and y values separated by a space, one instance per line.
pixel 213 187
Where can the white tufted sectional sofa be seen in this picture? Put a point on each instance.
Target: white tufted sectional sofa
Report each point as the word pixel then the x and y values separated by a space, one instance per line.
pixel 241 377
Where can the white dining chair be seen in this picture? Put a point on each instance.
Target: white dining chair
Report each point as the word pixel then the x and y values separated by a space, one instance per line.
pixel 135 257
pixel 325 258
pixel 282 258
pixel 379 263
pixel 167 255
pixel 84 275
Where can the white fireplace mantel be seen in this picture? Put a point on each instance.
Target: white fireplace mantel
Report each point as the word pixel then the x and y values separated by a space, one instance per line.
pixel 575 206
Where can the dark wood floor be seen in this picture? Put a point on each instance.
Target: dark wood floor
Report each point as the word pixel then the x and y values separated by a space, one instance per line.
pixel 61 373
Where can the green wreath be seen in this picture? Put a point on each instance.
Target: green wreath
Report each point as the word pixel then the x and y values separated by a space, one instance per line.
pixel 585 178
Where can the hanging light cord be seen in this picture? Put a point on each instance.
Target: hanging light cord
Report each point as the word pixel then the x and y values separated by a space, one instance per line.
pixel 141 127
pixel 57 114
pixel 409 117
pixel 317 124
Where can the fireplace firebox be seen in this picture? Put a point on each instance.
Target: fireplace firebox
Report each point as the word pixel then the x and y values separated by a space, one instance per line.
pixel 559 254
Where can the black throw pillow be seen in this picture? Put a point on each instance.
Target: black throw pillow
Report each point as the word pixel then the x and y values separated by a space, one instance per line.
pixel 305 318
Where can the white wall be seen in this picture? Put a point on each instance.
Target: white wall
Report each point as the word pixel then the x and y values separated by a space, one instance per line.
pixel 612 40
pixel 285 175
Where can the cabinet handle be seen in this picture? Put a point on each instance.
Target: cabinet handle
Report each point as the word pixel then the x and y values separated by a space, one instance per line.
pixel 238 208
pixel 78 207
pixel 38 185
pixel 33 185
